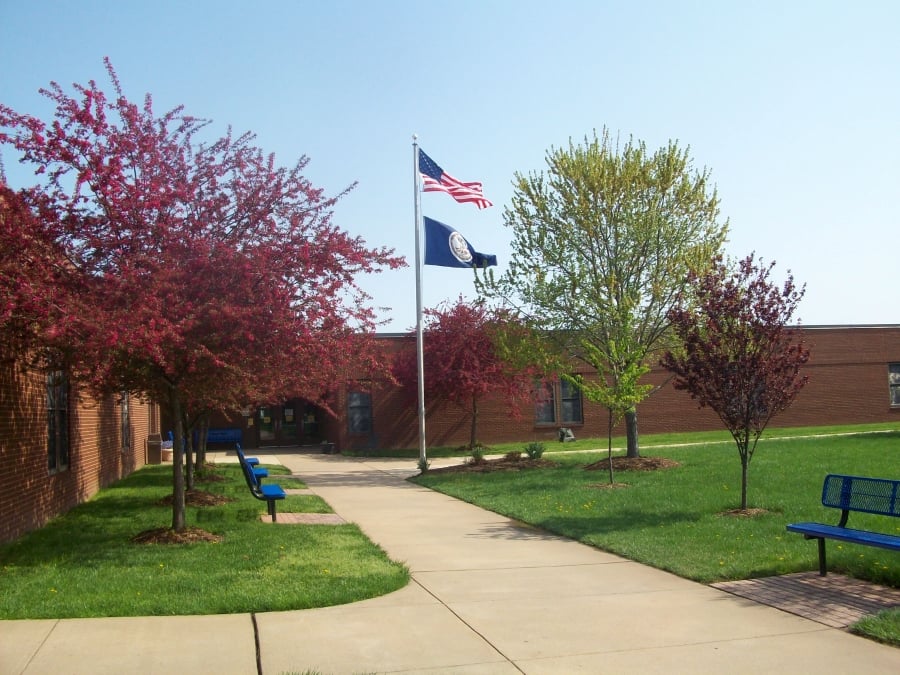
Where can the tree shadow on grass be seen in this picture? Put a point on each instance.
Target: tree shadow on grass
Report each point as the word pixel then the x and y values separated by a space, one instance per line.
pixel 875 436
pixel 579 527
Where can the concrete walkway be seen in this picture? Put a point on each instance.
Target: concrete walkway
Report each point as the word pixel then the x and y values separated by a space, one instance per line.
pixel 488 595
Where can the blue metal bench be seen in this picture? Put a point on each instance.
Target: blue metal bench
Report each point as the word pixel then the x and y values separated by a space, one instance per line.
pixel 854 493
pixel 259 471
pixel 267 493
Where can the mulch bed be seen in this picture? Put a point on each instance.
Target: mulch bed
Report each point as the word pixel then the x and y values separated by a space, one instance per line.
pixel 745 513
pixel 633 464
pixel 522 463
pixel 198 498
pixel 166 535
pixel 500 464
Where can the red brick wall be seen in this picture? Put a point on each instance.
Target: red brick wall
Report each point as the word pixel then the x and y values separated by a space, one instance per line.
pixel 848 384
pixel 29 494
pixel 848 373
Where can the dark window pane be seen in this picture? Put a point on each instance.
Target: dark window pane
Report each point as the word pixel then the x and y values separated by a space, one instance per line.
pixel 359 412
pixel 544 405
pixel 57 421
pixel 571 403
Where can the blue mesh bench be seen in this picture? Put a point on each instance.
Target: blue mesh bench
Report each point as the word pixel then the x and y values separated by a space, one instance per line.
pixel 880 496
pixel 268 493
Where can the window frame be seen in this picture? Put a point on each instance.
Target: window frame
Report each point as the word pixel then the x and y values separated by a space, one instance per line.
pixel 58 422
pixel 574 398
pixel 356 408
pixel 559 399
pixel 545 404
pixel 894 384
pixel 125 421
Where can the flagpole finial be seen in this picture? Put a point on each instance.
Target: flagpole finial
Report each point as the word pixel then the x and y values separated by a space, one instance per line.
pixel 415 137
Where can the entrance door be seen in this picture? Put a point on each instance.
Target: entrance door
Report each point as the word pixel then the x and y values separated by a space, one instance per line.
pixel 279 424
pixel 295 422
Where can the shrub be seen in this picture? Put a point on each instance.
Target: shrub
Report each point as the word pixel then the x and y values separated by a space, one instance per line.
pixel 478 452
pixel 534 450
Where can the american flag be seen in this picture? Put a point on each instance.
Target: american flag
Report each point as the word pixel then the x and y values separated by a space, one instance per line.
pixel 435 179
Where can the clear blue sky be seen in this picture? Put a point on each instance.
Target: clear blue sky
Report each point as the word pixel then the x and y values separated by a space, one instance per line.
pixel 793 106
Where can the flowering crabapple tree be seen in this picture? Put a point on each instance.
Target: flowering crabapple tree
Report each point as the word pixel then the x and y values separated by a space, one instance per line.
pixel 33 277
pixel 738 356
pixel 463 361
pixel 208 277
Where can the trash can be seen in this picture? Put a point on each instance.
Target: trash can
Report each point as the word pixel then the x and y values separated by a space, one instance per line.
pixel 154 449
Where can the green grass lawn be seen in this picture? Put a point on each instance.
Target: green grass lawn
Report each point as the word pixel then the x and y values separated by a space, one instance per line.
pixel 675 519
pixel 84 564
pixel 647 442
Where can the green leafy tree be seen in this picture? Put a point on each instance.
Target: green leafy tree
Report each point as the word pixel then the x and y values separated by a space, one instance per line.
pixel 603 242
pixel 618 392
pixel 738 357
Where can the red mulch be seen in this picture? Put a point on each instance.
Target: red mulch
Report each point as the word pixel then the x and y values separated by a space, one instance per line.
pixel 500 464
pixel 744 513
pixel 522 463
pixel 166 535
pixel 633 464
pixel 197 498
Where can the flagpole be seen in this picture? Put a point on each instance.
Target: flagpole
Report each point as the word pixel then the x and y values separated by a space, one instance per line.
pixel 420 354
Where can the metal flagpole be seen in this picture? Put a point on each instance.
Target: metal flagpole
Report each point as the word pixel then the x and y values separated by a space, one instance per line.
pixel 420 354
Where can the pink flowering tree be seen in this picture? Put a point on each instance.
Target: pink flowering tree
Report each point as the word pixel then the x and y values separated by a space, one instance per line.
pixel 463 359
pixel 208 277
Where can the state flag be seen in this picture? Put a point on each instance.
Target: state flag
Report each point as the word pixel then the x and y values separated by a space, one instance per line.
pixel 445 247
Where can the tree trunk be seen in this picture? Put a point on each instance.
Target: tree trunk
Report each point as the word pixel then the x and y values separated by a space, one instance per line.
pixel 473 433
pixel 200 450
pixel 178 523
pixel 745 465
pixel 609 436
pixel 188 455
pixel 631 428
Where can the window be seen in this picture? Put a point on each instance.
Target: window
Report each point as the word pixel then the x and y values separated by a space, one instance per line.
pixel 894 383
pixel 558 401
pixel 359 412
pixel 544 404
pixel 570 401
pixel 57 421
pixel 125 419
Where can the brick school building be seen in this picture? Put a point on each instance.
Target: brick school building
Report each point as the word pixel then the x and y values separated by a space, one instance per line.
pixel 58 447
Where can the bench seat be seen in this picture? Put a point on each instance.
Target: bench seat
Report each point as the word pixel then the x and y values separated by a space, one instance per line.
pixel 877 539
pixel 879 496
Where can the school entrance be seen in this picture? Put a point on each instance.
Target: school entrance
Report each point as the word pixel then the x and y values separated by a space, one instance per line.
pixel 294 422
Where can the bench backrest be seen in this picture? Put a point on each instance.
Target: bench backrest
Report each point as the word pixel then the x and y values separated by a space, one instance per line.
pixel 249 476
pixel 857 493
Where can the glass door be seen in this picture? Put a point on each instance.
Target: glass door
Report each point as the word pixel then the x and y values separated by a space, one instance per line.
pixel 279 424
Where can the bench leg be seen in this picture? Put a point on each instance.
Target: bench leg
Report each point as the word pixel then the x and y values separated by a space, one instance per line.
pixel 272 509
pixel 822 569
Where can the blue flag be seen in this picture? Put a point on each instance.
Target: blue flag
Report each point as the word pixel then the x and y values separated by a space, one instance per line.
pixel 445 247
